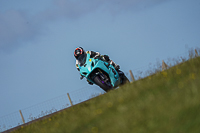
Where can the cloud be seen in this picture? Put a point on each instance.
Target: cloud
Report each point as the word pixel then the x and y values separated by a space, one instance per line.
pixel 77 8
pixel 16 26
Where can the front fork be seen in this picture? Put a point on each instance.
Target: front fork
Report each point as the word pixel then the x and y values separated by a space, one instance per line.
pixel 102 75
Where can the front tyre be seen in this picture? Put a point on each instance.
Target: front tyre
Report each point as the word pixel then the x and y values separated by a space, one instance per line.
pixel 106 87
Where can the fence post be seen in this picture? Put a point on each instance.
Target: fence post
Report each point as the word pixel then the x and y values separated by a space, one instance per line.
pixel 69 99
pixel 164 65
pixel 132 77
pixel 22 116
pixel 196 53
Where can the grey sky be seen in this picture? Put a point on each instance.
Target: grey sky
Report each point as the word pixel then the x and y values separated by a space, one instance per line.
pixel 19 25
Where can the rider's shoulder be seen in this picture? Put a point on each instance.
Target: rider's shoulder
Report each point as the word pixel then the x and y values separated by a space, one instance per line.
pixel 93 54
pixel 88 52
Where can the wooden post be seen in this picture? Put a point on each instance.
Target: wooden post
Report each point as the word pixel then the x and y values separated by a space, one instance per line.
pixel 69 99
pixel 164 65
pixel 22 116
pixel 196 53
pixel 132 77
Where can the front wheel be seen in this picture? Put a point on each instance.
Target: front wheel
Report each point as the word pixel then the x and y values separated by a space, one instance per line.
pixel 105 86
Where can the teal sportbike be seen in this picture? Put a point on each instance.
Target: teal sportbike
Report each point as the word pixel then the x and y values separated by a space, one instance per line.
pixel 101 73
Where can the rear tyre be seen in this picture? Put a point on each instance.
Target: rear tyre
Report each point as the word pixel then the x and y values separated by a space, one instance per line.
pixel 106 87
pixel 125 80
pixel 123 77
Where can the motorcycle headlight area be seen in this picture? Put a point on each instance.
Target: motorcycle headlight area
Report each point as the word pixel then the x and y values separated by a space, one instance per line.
pixel 84 73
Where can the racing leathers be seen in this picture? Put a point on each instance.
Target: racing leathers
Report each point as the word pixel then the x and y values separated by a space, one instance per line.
pixel 98 55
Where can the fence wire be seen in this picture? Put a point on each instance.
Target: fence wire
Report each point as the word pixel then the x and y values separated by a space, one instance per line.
pixel 61 102
pixel 84 94
pixel 9 121
pixel 48 107
pixel 45 108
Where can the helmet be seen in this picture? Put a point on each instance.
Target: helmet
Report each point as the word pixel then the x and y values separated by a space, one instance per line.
pixel 78 52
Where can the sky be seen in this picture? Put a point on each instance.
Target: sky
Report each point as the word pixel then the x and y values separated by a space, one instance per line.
pixel 37 41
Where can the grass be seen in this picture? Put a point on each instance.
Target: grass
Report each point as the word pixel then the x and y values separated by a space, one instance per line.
pixel 166 102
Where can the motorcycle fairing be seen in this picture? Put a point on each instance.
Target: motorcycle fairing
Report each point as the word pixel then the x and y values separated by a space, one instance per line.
pixel 92 65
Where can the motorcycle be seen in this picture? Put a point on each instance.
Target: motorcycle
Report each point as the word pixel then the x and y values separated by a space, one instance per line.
pixel 101 73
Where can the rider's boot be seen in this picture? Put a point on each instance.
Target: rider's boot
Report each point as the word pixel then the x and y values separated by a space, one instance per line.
pixel 117 67
pixel 107 59
pixel 90 83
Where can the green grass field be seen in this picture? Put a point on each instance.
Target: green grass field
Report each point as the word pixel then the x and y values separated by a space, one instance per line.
pixel 166 102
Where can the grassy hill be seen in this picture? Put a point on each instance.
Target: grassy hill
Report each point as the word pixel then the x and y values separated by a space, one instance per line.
pixel 166 102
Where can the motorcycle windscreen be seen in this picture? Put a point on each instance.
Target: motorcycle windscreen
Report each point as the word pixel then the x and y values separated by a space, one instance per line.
pixel 82 59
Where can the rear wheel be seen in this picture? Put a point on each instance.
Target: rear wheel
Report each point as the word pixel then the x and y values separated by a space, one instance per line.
pixel 105 86
pixel 123 77
pixel 125 80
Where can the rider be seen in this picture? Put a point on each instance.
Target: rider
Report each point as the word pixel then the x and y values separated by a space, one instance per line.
pixel 80 53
